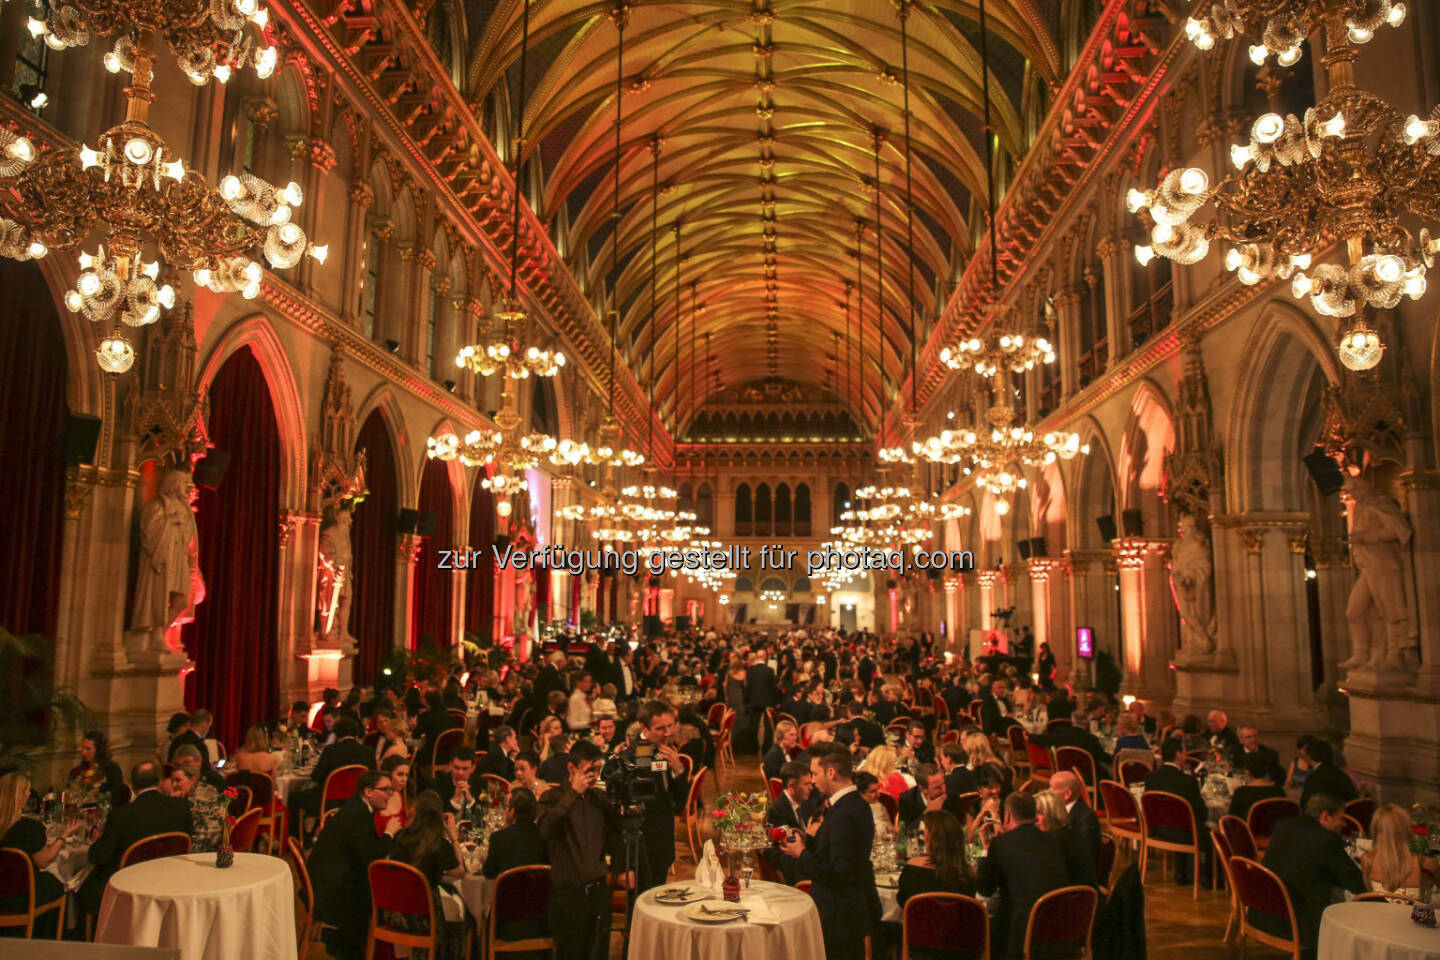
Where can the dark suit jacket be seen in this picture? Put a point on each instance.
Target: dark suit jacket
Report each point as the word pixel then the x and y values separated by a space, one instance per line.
pixel 782 813
pixel 445 786
pixel 960 781
pixel 1084 822
pixel 207 772
pixel 1023 864
pixel 518 845
pixel 761 688
pixel 1328 778
pixel 1075 737
pixel 1247 796
pixel 1169 778
pixel 1238 755
pixel 912 806
pixel 147 815
pixel 429 725
pixel 342 753
pixel 838 858
pixel 1312 862
pixel 1080 864
pixel 774 759
pixel 339 863
pixel 990 715
pixel 497 763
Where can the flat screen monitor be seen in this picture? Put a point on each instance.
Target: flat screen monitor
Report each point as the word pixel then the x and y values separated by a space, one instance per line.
pixel 1084 643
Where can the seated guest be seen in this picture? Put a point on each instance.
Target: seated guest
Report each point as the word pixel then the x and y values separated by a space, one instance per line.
pixel 979 753
pixel 27 835
pixel 1022 864
pixel 986 820
pixel 329 701
pixel 1078 735
pixel 431 844
pixel 340 862
pixel 460 787
pixel 1128 735
pixel 527 763
pixel 1220 734
pixel 858 730
pixel 432 721
pixel 927 795
pixel 869 789
pixel 1260 785
pixel 1148 724
pixel 880 762
pixel 785 748
pixel 1078 814
pixel 946 866
pixel 1299 769
pixel 454 696
pixel 254 754
pixel 959 778
pixel 1079 858
pixel 177 724
pixel 1308 855
pixel 606 736
pixel 297 721
pixel 792 810
pixel 551 741
pixel 346 751
pixel 325 721
pixel 194 736
pixel 390 742
pixel 889 707
pixel 917 744
pixel 205 810
pixel 148 814
pixel 1249 745
pixel 1170 777
pixel 518 844
pixel 397 768
pixel 500 759
pixel 1325 776
pixel 1390 865
pixel 96 772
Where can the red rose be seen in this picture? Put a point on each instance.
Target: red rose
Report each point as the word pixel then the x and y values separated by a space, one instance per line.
pixel 718 814
pixel 1419 831
pixel 778 834
pixel 722 801
pixel 232 793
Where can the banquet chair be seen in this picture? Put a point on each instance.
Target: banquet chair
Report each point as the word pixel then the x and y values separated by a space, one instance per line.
pixel 1053 725
pixel 967 803
pixel 1132 771
pixel 807 734
pixel 694 804
pixel 1168 811
pixel 775 786
pixel 1019 756
pixel 1350 828
pixel 521 893
pixel 445 744
pixel 17 879
pixel 1190 761
pixel 372 739
pixel 1062 920
pixel 304 896
pixel 942 714
pixel 1264 815
pixel 244 830
pixel 949 736
pixel 725 752
pixel 1080 763
pixel 1042 762
pixel 782 717
pixel 949 923
pixel 495 780
pixel 399 888
pixel 803 885
pixel 715 716
pixel 1259 890
pixel 273 815
pixel 1223 855
pixel 459 719
pixel 153 848
pixel 1237 836
pixel 892 807
pixel 339 787
pixel 1362 809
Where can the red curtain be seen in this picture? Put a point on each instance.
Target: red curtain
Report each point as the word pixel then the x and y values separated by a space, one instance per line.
pixel 480 581
pixel 542 597
pixel 573 614
pixel 235 636
pixel 372 610
pixel 431 616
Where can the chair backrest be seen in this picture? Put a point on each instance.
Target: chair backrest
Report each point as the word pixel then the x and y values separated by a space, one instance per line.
pixel 901 726
pixel 340 784
pixel 16 876
pixel 776 786
pixel 1119 802
pixel 1166 811
pixel 1062 916
pixel 1016 736
pixel 942 711
pixel 458 718
pixel 372 739
pixel 715 715
pixel 445 745
pixel 1132 771
pixel 1078 762
pixel 1057 723
pixel 243 831
pixel 782 717
pixel 727 724
pixel 1264 815
pixel 1362 809
pixel 1350 828
pixel 1039 756
pixel 949 736
pixel 966 804
pixel 1105 862
pixel 803 885
pixel 951 923
pixel 495 780
pixel 1260 889
pixel 304 892
pixel 694 798
pixel 262 790
pixel 1238 838
pixel 399 888
pixel 153 848
pixel 244 795
pixel 1190 761
pixel 807 734
pixel 521 893
pixel 892 807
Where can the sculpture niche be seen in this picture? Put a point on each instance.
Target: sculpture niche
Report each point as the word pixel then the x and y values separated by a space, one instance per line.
pixel 1381 609
pixel 1192 583
pixel 336 579
pixel 169 584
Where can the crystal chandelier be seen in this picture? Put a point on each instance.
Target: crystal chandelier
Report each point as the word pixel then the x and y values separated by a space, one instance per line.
pixel 506 451
pixel 772 596
pixel 134 192
pixel 1009 351
pixel 1353 168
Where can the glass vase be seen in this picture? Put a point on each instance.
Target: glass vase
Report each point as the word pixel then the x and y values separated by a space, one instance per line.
pixel 225 852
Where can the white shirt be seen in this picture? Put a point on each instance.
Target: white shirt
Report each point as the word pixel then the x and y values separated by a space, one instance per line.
pixel 629 679
pixel 831 800
pixel 577 717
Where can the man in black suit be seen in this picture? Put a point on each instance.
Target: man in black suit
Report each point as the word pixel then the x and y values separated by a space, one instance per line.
pixel 959 779
pixel 1308 854
pixel 1060 706
pixel 597 664
pixel 1079 816
pixel 346 751
pixel 796 806
pixel 865 669
pixel 622 671
pixel 761 691
pixel 500 759
pixel 1023 863
pixel 994 708
pixel 550 678
pixel 1077 735
pixel 519 844
pixel 672 789
pixel 1170 777
pixel 1220 732
pixel 918 744
pixel 838 858
pixel 929 793
pixel 459 785
pixel 1250 744
pixel 783 750
pixel 857 729
pixel 1147 723
pixel 1324 776
pixel 195 736
pixel 148 814
pixel 340 863
pixel 433 721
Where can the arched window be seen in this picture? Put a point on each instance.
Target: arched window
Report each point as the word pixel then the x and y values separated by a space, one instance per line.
pixel 764 511
pixel 744 585
pixel 705 507
pixel 544 415
pixel 685 498
pixel 744 511
pixel 782 511
pixel 1094 346
pixel 802 510
pixel 839 504
pixel 369 298
pixel 1049 377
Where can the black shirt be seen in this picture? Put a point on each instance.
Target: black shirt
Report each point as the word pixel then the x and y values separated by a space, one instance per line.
pixel 915 880
pixel 435 862
pixel 576 831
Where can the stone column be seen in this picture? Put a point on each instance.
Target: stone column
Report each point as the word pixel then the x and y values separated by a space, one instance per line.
pixel 306 665
pixel 407 556
pixel 1067 339
pixel 381 233
pixel 1111 251
pixel 417 317
pixel 987 579
pixel 1147 619
pixel 358 237
pixel 1051 603
pixel 319 159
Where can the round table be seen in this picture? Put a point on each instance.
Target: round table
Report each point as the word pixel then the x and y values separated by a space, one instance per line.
pixel 246 912
pixel 657 930
pixel 1375 931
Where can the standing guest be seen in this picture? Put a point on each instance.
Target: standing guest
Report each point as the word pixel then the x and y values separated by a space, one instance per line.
pixel 1325 776
pixel 838 857
pixel 622 671
pixel 946 866
pixel 1023 863
pixel 1050 816
pixel 397 768
pixel 149 812
pixel 340 863
pixel 177 724
pixel 1390 866
pixel 761 691
pixel 1045 663
pixel 27 835
pixel 793 809
pixel 96 772
pixel 254 754
pixel 1170 777
pixel 1260 785
pixel 672 789
pixel 518 844
pixel 578 711
pixel 1308 855
pixel 1078 814
pixel 580 827
pixel 500 760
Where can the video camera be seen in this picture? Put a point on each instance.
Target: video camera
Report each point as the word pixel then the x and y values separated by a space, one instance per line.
pixel 628 779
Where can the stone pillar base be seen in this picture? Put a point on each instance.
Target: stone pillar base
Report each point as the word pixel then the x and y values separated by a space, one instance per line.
pixel 329 664
pixel 1206 683
pixel 1394 742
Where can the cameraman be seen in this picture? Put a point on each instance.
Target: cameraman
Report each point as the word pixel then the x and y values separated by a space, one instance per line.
pixel 671 780
pixel 579 827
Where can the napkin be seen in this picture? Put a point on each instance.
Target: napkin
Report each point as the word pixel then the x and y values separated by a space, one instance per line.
pixel 708 872
pixel 760 911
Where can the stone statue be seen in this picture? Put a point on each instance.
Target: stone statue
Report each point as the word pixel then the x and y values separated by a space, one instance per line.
pixel 1192 575
pixel 336 578
pixel 169 584
pixel 1381 609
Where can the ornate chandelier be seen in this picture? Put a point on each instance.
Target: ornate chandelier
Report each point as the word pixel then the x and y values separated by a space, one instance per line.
pixel 1281 27
pixel 1009 351
pixel 506 450
pixel 134 192
pixel 1353 168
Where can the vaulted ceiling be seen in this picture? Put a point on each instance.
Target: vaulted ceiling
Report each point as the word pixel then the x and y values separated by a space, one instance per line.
pixel 766 117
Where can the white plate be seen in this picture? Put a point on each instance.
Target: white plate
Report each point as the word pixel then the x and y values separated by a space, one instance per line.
pixel 696 912
pixel 690 895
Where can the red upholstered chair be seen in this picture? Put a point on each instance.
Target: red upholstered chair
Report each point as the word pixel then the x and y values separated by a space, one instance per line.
pixel 1122 813
pixel 153 848
pixel 520 894
pixel 273 814
pixel 398 888
pixel 1223 853
pixel 942 714
pixel 1132 771
pixel 1362 809
pixel 245 828
pixel 803 885
pixel 948 923
pixel 17 879
pixel 776 786
pixel 892 807
pixel 694 806
pixel 1238 838
pixel 1264 815
pixel 725 748
pixel 458 718
pixel 304 896
pixel 372 739
pixel 1057 723
pixel 1042 764
pixel 1019 756
pixel 1080 763
pixel 807 734
pixel 715 716
pixel 968 803
pixel 340 786
pixel 445 745
pixel 488 780
pixel 1350 828
pixel 1259 891
pixel 1062 920
pixel 949 736
pixel 1167 811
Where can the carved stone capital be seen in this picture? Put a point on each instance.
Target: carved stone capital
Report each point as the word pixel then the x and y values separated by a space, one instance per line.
pixel 408 547
pixel 291 522
pixel 262 111
pixel 362 195
pixel 383 230
pixel 427 261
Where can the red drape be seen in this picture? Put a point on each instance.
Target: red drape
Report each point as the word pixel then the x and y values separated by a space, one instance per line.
pixel 235 636
pixel 542 597
pixel 433 586
pixel 480 581
pixel 372 610
pixel 576 585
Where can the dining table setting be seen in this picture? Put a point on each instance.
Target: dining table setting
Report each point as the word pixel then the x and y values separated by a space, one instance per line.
pixel 693 921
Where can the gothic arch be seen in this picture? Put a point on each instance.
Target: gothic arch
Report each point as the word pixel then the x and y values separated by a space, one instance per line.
pixel 382 398
pixel 1149 436
pixel 257 333
pixel 87 391
pixel 455 470
pixel 1094 488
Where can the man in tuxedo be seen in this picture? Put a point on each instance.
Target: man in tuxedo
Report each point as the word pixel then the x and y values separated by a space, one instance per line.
pixel 994 708
pixel 918 744
pixel 194 736
pixel 865 669
pixel 796 806
pixel 1308 854
pixel 1078 735
pixel 838 858
pixel 1324 776
pixel 346 751
pixel 500 759
pixel 783 750
pixel 761 691
pixel 858 730
pixel 1023 863
pixel 459 785
pixel 550 677
pixel 1079 816
pixel 1250 744
pixel 340 863
pixel 597 664
pixel 1147 723
pixel 149 813
pixel 1221 732
pixel 959 779
pixel 1170 777
pixel 622 671
pixel 929 793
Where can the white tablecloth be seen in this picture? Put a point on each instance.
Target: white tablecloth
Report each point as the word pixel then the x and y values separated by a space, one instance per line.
pixel 478 892
pixel 71 865
pixel 889 903
pixel 662 931
pixel 285 785
pixel 246 912
pixel 1375 931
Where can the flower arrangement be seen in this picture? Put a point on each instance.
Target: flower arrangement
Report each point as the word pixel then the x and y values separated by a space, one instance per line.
pixel 225 852
pixel 1424 829
pixel 736 811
